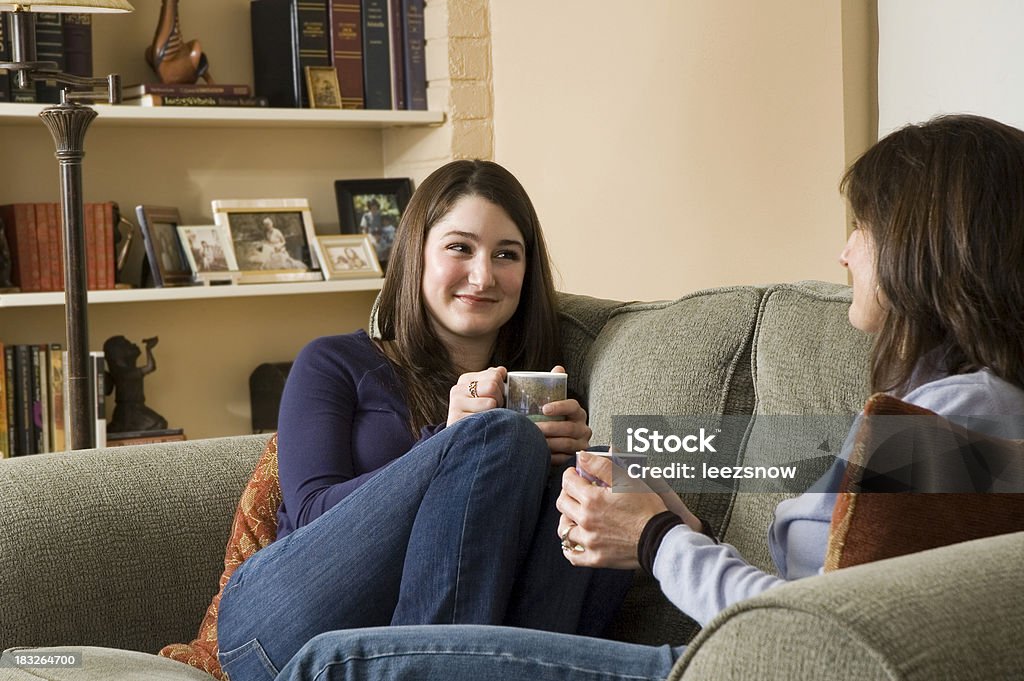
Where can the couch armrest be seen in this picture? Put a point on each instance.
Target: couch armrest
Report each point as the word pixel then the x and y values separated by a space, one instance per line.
pixel 952 612
pixel 117 547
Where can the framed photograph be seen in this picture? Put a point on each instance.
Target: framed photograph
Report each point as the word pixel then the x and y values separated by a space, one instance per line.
pixel 209 252
pixel 347 256
pixel 272 238
pixel 167 259
pixel 374 208
pixel 322 86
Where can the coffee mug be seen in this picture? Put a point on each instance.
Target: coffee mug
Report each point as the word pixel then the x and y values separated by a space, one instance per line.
pixel 528 391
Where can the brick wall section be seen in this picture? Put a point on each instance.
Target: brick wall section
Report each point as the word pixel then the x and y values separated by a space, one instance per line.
pixel 458 53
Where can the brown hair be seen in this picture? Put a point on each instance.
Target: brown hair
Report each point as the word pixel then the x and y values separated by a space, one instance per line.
pixel 944 204
pixel 529 340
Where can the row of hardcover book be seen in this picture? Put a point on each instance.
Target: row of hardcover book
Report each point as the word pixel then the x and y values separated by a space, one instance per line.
pixel 35 241
pixel 65 39
pixel 376 47
pixel 33 411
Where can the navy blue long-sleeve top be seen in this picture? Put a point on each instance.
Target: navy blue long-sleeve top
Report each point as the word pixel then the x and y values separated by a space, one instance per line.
pixel 343 417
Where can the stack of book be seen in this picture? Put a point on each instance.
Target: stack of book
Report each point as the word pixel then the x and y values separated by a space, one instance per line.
pixel 199 94
pixel 375 46
pixel 33 411
pixel 36 243
pixel 65 39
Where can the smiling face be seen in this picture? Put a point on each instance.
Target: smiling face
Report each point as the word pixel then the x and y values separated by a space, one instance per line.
pixel 474 262
pixel 859 258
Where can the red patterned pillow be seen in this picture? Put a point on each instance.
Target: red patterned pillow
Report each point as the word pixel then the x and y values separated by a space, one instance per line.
pixel 254 527
pixel 869 525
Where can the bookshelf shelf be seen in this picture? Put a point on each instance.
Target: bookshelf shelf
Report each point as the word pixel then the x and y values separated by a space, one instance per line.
pixel 147 295
pixel 198 117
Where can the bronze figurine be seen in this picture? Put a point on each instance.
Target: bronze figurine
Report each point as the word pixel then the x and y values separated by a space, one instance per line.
pixel 173 60
pixel 130 410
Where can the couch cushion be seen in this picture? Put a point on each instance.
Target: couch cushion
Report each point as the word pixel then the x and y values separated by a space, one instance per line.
pixel 689 356
pixel 581 320
pixel 118 547
pixel 101 664
pixel 806 360
pixel 686 356
pixel 253 528
pixel 870 526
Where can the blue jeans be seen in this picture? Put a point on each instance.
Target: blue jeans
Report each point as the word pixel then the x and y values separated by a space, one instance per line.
pixel 459 530
pixel 471 652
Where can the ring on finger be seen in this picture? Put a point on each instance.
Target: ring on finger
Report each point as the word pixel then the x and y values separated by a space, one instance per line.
pixel 569 545
pixel 472 389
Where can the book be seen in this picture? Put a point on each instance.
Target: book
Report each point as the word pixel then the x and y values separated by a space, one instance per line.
pixel 287 36
pixel 40 399
pixel 396 13
pixel 197 100
pixel 23 399
pixel 376 55
pixel 10 381
pixel 415 56
pixel 98 398
pixel 44 234
pixel 5 448
pixel 77 30
pixel 145 437
pixel 345 19
pixel 49 48
pixel 139 89
pixel 111 216
pixel 5 55
pixel 20 229
pixel 93 228
pixel 55 360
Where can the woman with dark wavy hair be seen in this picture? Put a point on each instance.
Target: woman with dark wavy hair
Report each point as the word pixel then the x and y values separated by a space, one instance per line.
pixel 937 263
pixel 409 497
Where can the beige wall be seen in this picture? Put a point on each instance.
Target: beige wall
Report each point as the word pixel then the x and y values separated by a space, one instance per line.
pixel 671 146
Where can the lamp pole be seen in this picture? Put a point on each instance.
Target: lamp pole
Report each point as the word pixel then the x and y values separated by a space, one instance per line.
pixel 67 123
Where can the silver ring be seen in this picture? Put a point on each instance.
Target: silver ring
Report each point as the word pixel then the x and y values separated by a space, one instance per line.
pixel 472 389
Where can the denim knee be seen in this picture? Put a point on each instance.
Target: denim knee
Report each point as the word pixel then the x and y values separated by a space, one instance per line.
pixel 511 435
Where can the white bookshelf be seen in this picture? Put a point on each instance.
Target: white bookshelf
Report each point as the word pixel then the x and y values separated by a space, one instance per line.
pixel 233 117
pixel 147 295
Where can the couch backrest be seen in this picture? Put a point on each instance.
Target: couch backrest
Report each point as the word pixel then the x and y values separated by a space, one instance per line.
pixel 118 547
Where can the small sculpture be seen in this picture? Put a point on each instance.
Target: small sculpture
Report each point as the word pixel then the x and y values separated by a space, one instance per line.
pixel 130 410
pixel 173 60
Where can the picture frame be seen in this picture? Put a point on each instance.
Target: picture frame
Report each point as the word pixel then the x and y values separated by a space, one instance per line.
pixel 322 87
pixel 209 252
pixel 348 256
pixel 164 252
pixel 273 239
pixel 356 212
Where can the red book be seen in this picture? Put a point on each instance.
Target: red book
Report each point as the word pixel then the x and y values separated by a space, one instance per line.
pixel 90 246
pixel 347 50
pixel 19 227
pixel 106 260
pixel 56 245
pixel 43 237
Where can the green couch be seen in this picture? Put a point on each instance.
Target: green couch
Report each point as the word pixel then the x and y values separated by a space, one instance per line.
pixel 119 550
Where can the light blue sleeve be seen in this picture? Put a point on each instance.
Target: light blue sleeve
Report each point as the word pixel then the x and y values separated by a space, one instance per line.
pixel 702 578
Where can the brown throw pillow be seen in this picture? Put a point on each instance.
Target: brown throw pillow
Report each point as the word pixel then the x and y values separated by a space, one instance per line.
pixel 254 527
pixel 873 525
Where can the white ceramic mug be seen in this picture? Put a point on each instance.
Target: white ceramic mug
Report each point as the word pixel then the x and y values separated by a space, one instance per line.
pixel 528 391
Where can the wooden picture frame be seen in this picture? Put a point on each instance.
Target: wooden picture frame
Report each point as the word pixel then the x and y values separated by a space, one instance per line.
pixel 355 210
pixel 210 252
pixel 322 87
pixel 348 256
pixel 167 259
pixel 272 238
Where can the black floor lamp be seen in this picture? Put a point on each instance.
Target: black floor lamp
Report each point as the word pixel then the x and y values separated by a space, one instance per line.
pixel 67 122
